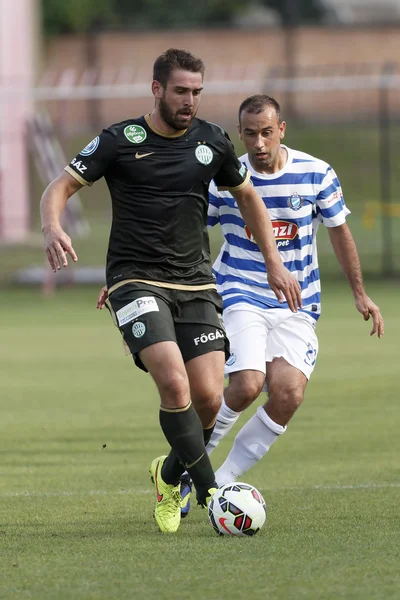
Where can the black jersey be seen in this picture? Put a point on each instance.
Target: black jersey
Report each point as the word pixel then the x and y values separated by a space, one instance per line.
pixel 159 191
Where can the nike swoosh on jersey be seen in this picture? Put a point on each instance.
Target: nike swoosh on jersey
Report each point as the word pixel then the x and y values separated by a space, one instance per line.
pixel 190 465
pixel 137 155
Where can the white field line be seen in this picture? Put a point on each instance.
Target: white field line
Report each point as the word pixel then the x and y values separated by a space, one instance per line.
pixel 139 491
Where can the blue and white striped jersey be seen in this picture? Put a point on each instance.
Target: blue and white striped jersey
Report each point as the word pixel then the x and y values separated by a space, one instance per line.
pixel 303 194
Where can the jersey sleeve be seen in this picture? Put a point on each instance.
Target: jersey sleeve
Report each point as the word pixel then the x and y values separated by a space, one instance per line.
pixel 213 206
pixel 232 175
pixel 330 206
pixel 93 161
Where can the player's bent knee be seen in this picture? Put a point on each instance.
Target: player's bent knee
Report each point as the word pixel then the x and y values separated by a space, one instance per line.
pixel 214 402
pixel 207 406
pixel 174 386
pixel 297 398
pixel 243 392
pixel 254 390
pixel 287 396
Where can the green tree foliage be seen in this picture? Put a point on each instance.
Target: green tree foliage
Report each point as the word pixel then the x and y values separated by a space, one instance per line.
pixel 177 13
pixel 74 16
pixel 67 16
pixel 61 16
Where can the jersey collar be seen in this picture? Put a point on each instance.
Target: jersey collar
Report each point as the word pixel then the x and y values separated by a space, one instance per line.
pixel 162 133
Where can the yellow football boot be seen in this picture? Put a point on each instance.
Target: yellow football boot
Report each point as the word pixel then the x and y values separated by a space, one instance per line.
pixel 211 493
pixel 167 512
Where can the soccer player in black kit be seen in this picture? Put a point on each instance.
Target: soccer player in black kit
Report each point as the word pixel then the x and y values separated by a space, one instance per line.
pixel 161 290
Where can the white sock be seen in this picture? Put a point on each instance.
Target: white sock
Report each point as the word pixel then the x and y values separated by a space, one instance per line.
pixel 225 421
pixel 251 443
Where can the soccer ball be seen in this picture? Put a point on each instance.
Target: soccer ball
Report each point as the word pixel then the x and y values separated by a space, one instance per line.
pixel 237 509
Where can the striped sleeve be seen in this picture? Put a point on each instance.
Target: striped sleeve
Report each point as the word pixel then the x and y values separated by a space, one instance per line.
pixel 331 209
pixel 214 205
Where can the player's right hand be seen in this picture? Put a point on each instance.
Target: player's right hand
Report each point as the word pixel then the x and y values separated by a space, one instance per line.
pixel 57 243
pixel 284 285
pixel 102 297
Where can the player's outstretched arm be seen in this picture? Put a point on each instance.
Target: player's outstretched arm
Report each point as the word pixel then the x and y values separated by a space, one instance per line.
pixel 346 252
pixel 57 242
pixel 282 282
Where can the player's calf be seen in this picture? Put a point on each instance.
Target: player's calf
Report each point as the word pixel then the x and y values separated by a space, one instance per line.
pixel 244 387
pixel 251 443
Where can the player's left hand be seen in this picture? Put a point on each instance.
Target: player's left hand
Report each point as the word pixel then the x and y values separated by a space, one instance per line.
pixel 369 309
pixel 102 297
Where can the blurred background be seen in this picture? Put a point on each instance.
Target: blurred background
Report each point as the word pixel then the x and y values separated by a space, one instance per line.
pixel 67 69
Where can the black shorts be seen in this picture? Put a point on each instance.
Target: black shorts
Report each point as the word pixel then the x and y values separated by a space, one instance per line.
pixel 146 314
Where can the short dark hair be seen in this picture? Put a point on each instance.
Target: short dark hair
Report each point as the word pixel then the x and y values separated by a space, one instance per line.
pixel 256 104
pixel 176 59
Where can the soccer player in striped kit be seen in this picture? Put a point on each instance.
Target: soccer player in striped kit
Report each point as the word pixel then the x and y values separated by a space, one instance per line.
pixel 272 347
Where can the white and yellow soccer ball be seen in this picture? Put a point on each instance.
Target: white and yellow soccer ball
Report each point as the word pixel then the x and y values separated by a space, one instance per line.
pixel 237 509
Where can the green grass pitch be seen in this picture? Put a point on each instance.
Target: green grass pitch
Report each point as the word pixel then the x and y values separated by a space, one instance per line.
pixel 79 428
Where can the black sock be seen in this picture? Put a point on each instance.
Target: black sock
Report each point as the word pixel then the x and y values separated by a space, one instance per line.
pixel 184 432
pixel 172 468
pixel 207 433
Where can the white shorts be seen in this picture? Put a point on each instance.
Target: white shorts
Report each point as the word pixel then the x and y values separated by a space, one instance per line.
pixel 258 336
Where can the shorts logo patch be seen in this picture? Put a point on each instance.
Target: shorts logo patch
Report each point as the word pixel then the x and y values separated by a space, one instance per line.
pixel 311 356
pixel 231 360
pixel 134 309
pixel 204 154
pixel 138 329
pixel 210 337
pixel 135 134
pixel 91 147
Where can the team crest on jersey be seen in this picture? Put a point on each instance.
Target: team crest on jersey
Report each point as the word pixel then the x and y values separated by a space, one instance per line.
pixel 91 147
pixel 135 134
pixel 295 201
pixel 204 154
